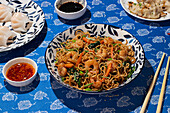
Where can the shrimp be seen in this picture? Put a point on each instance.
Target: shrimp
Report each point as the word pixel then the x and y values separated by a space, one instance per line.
pixel 102 53
pixel 72 56
pixel 62 70
pixel 96 83
pixel 93 65
pixel 108 40
pixel 113 66
pixel 78 44
pixel 123 54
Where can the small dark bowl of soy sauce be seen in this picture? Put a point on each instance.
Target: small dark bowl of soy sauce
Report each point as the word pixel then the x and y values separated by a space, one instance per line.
pixel 70 9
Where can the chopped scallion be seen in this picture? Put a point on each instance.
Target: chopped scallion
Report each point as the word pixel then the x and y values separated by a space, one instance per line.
pixel 79 82
pixel 93 45
pixel 75 76
pixel 74 41
pixel 88 84
pixel 118 51
pixel 114 44
pixel 56 60
pixel 81 72
pixel 109 59
pixel 105 77
pixel 62 78
pixel 71 49
pixel 86 51
pixel 131 72
pixel 84 35
pixel 95 58
pixel 86 73
pixel 88 89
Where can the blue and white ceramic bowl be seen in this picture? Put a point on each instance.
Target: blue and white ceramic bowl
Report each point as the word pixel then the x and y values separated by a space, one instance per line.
pixel 94 30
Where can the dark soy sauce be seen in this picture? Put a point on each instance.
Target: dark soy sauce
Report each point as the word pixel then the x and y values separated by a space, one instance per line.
pixel 69 7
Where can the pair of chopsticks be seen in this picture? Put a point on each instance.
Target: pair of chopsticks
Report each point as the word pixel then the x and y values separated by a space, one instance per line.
pixel 147 98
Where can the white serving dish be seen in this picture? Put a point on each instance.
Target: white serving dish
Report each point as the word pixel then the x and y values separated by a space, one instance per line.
pixel 72 15
pixel 124 4
pixel 15 61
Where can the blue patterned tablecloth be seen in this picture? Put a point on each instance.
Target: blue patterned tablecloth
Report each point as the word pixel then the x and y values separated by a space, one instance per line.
pixel 45 95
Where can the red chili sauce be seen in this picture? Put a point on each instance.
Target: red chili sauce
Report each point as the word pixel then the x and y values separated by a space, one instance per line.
pixel 20 72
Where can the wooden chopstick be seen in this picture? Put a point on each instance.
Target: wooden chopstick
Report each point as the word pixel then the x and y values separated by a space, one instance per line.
pixel 163 89
pixel 147 98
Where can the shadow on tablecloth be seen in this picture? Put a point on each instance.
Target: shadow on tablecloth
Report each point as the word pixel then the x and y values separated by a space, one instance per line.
pixel 25 89
pixel 123 100
pixel 25 49
pixel 150 23
pixel 86 17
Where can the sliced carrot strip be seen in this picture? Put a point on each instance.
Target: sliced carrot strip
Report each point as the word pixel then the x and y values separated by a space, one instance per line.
pixel 107 72
pixel 118 42
pixel 86 40
pixel 92 51
pixel 92 41
pixel 79 59
pixel 69 65
pixel 102 41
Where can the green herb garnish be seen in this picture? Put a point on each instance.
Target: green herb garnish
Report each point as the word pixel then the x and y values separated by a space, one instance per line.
pixel 109 59
pixel 88 84
pixel 62 78
pixel 86 73
pixel 131 72
pixel 93 45
pixel 56 60
pixel 84 35
pixel 86 51
pixel 74 41
pixel 105 77
pixel 114 44
pixel 95 58
pixel 75 76
pixel 96 49
pixel 81 72
pixel 118 51
pixel 79 81
pixel 88 89
pixel 71 49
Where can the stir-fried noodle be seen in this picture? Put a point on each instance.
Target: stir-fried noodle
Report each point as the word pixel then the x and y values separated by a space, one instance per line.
pixel 94 63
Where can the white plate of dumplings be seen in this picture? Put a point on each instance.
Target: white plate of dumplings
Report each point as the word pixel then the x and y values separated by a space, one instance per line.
pixel 147 9
pixel 20 22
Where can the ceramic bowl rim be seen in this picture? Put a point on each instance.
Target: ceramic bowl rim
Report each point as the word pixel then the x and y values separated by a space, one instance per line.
pixel 93 92
pixel 84 7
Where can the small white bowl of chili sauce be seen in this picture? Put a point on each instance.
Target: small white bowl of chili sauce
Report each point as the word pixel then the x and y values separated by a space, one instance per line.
pixel 20 71
pixel 70 9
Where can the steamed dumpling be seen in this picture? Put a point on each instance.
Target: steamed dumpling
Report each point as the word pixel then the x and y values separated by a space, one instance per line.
pixel 152 9
pixel 20 22
pixel 5 13
pixel 167 6
pixel 5 34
